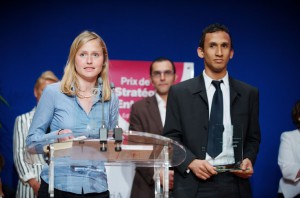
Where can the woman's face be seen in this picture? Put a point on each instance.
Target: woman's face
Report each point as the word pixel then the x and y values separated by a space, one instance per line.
pixel 40 88
pixel 89 60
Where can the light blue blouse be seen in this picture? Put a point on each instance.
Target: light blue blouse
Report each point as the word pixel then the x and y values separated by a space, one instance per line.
pixel 60 111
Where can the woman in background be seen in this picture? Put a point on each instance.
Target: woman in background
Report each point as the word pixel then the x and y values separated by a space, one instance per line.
pixel 29 174
pixel 289 158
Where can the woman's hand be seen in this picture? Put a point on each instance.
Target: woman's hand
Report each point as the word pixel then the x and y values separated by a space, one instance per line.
pixel 65 137
pixel 35 185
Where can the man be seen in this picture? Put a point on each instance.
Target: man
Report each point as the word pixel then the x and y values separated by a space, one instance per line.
pixel 148 115
pixel 29 175
pixel 188 122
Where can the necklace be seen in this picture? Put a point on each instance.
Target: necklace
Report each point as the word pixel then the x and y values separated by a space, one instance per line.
pixel 94 92
pixel 83 96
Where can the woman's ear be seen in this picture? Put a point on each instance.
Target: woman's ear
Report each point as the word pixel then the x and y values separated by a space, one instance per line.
pixel 35 93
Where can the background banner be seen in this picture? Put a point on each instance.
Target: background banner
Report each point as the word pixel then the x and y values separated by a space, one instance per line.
pixel 132 83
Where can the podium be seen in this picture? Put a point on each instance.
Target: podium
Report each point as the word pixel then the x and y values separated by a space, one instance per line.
pixel 139 149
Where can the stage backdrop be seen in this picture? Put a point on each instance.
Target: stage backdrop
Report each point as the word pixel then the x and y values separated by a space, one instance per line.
pixel 36 36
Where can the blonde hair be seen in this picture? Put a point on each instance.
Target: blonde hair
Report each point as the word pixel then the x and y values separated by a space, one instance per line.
pixel 70 80
pixel 47 75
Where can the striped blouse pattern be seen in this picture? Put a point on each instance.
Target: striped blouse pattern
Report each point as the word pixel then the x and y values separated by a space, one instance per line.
pixel 26 169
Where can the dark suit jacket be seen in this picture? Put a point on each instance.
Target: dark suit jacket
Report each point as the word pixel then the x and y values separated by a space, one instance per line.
pixel 144 117
pixel 187 122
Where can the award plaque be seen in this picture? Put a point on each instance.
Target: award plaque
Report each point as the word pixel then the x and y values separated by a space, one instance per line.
pixel 234 137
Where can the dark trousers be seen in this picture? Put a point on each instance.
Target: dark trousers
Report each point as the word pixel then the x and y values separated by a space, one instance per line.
pixel 43 193
pixel 221 185
pixel 8 192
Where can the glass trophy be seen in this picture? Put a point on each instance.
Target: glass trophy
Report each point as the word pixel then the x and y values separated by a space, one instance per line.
pixel 233 136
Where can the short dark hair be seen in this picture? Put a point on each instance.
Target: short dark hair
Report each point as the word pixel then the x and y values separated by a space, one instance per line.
pixel 160 59
pixel 296 114
pixel 216 27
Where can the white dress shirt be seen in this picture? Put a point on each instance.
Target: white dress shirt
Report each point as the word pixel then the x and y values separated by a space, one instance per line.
pixel 161 108
pixel 227 155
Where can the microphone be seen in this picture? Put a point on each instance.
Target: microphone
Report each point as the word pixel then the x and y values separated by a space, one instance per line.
pixel 117 131
pixel 103 132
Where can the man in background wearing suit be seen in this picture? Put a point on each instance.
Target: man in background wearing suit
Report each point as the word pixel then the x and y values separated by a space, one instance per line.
pixel 148 115
pixel 188 122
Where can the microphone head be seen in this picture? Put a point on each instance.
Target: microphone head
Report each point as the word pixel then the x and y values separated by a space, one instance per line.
pixel 112 85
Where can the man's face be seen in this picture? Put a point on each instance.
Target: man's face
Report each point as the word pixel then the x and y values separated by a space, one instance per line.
pixel 216 53
pixel 162 76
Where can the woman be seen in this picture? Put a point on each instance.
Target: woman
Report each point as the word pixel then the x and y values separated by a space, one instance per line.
pixel 81 103
pixel 29 175
pixel 289 158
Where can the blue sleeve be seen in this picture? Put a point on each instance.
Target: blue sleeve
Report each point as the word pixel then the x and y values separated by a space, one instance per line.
pixel 37 137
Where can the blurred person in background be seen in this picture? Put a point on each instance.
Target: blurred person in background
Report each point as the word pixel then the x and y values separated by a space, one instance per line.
pixel 29 174
pixel 148 115
pixel 289 158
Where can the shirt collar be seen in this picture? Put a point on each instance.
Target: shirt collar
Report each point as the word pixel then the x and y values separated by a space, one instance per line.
pixel 208 80
pixel 160 101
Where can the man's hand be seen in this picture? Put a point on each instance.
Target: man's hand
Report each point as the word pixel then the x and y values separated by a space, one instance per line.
pixel 171 178
pixel 246 169
pixel 202 169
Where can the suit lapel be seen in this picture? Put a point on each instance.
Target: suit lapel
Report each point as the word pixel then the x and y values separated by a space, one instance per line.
pixel 233 92
pixel 154 112
pixel 199 88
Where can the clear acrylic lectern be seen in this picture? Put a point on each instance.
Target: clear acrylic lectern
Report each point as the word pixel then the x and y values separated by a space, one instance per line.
pixel 135 148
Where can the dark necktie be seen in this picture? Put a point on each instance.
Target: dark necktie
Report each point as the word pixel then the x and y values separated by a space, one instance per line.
pixel 216 128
